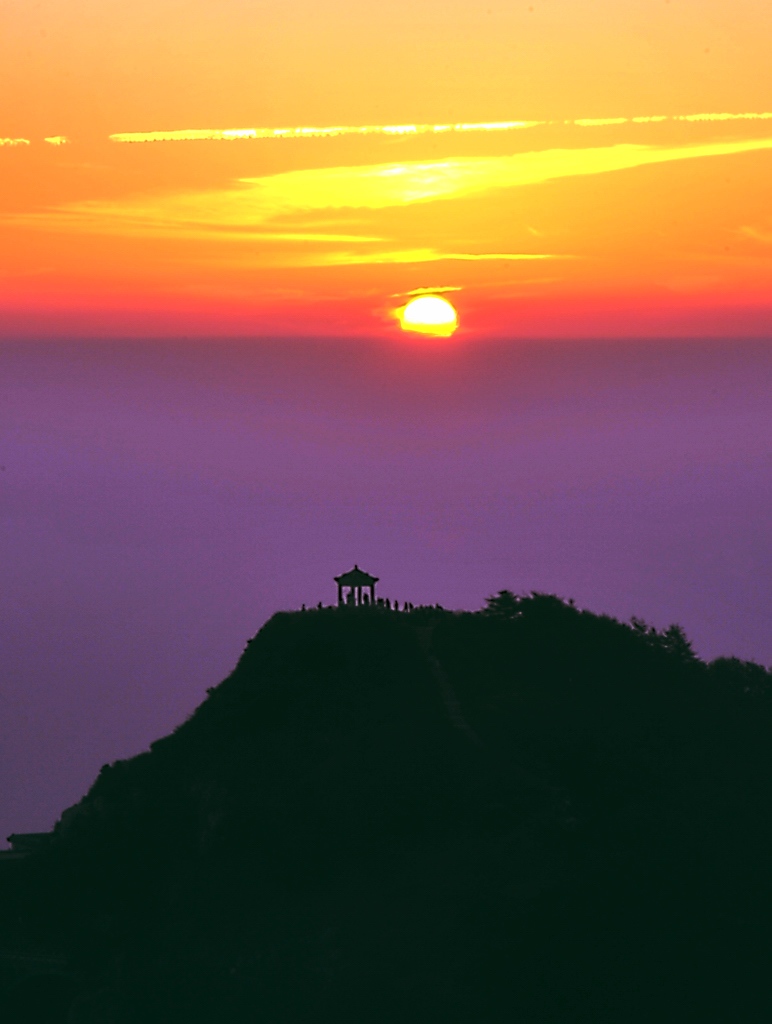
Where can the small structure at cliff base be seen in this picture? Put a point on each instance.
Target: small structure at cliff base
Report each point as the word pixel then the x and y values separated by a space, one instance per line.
pixel 354 581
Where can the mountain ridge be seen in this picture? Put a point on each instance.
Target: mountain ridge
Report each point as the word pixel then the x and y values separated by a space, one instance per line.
pixel 530 810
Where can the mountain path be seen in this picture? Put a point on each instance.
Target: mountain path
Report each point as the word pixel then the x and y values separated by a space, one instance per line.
pixel 450 700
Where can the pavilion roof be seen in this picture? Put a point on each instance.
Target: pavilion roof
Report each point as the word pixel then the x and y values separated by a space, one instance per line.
pixel 356 578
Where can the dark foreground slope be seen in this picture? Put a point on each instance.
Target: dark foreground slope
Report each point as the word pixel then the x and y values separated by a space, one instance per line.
pixel 528 814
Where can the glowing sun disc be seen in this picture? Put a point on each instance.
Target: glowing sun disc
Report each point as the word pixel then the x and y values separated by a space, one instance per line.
pixel 429 314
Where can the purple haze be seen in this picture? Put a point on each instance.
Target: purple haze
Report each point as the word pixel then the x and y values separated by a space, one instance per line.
pixel 159 500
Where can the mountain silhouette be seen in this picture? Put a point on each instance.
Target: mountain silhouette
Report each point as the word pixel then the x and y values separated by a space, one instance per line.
pixel 528 813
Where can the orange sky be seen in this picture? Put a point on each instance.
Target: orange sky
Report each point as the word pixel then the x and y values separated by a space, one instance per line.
pixel 503 183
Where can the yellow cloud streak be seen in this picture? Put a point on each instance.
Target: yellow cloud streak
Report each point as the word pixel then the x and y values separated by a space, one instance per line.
pixel 331 131
pixel 234 134
pixel 378 186
pixel 413 256
pixel 430 291
pixel 597 122
pixel 236 213
pixel 724 117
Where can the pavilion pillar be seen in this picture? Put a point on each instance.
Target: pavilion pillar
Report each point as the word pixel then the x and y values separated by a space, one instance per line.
pixel 340 594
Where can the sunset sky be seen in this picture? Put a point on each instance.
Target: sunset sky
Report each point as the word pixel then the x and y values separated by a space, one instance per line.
pixel 567 167
pixel 212 216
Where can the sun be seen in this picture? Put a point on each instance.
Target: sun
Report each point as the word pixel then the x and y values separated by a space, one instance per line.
pixel 429 314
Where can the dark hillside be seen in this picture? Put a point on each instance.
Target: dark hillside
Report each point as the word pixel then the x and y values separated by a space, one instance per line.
pixel 528 813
